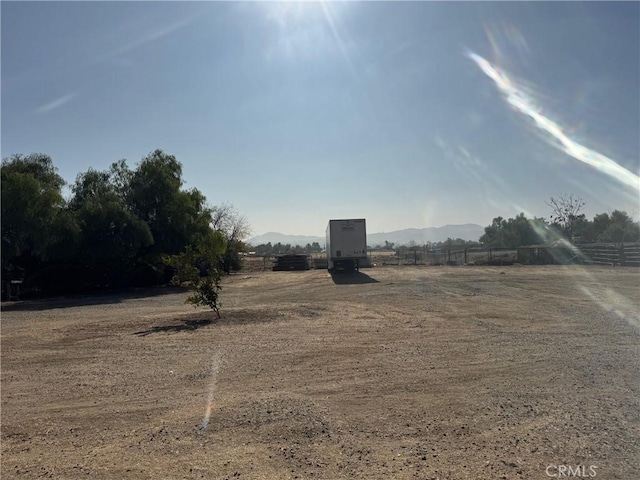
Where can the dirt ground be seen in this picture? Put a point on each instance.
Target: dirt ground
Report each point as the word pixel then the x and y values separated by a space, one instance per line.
pixel 398 372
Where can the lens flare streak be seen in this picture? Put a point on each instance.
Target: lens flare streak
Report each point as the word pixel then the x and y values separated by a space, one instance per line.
pixel 207 414
pixel 615 303
pixel 210 404
pixel 521 102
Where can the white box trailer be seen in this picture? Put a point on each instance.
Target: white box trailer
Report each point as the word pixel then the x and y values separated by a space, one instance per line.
pixel 346 244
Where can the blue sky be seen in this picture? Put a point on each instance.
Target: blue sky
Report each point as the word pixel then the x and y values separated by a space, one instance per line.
pixel 301 112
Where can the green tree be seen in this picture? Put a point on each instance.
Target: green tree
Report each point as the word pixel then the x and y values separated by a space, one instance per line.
pixel 264 249
pixel 598 226
pixel 197 267
pixel 514 232
pixel 112 237
pixel 174 216
pixel 521 231
pixel 582 229
pixel 615 227
pixel 494 234
pixel 31 205
pixel 620 228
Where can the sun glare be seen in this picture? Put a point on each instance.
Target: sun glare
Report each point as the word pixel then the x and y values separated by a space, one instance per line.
pixel 293 14
pixel 305 29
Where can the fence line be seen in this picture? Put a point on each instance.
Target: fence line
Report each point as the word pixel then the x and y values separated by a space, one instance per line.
pixel 625 254
pixel 450 256
pixel 408 256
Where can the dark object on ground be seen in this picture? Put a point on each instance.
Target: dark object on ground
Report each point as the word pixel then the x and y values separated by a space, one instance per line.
pixel 292 262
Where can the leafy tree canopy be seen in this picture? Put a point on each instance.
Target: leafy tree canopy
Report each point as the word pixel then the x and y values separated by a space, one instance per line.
pixel 31 200
pixel 116 228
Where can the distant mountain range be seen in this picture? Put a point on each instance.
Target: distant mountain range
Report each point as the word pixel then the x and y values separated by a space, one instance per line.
pixel 469 231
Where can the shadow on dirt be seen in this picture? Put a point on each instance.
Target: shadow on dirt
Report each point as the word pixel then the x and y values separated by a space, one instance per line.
pixel 351 278
pixel 87 300
pixel 181 327
pixel 229 317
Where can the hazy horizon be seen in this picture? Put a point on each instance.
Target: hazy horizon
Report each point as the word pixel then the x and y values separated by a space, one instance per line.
pixel 293 234
pixel 410 114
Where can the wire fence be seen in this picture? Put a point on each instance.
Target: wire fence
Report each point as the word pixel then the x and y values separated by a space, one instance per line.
pixel 409 256
pixel 444 256
pixel 624 254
